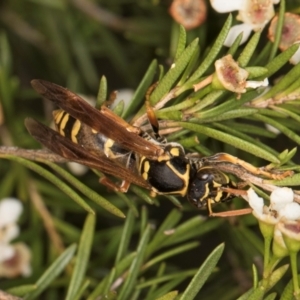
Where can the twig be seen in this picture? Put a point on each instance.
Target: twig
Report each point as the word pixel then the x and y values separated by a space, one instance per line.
pixel 36 155
pixel 248 177
pixel 46 217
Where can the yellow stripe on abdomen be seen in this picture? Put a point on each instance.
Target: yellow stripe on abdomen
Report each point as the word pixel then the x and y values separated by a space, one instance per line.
pixel 75 130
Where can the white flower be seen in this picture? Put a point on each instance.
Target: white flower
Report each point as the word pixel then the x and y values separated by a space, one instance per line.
pixel 254 14
pixel 260 211
pixel 281 205
pixel 231 77
pixel 14 258
pixel 18 264
pixel 290 34
pixel 280 221
pixel 291 211
pixel 291 233
pixel 280 197
pixel 6 251
pixel 10 210
pixel 256 203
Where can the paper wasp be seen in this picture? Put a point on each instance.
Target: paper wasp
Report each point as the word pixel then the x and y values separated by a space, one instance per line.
pixel 102 140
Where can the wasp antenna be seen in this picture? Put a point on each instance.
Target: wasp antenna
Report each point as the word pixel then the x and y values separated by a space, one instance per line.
pixel 152 118
pixel 150 111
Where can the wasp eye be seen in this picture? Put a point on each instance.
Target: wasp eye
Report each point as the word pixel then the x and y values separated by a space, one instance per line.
pixel 204 176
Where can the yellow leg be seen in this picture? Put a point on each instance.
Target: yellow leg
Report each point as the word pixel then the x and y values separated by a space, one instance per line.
pixel 232 213
pixel 233 191
pixel 210 212
pixel 224 157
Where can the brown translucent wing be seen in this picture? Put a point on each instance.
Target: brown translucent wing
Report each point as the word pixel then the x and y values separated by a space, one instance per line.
pixel 104 122
pixel 73 152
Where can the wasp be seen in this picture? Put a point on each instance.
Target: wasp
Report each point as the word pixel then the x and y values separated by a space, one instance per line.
pixel 104 141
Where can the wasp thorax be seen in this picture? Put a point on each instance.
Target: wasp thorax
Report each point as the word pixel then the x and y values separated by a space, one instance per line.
pixel 169 174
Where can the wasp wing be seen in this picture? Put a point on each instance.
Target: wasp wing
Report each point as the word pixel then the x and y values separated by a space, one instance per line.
pixel 109 124
pixel 73 152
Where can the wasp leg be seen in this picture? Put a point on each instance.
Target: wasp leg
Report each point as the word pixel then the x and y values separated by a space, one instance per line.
pixel 210 212
pixel 224 157
pixel 233 191
pixel 241 185
pixel 123 187
pixel 150 111
pixel 231 213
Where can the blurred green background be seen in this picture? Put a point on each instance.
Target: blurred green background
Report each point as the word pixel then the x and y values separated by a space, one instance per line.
pixel 74 43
